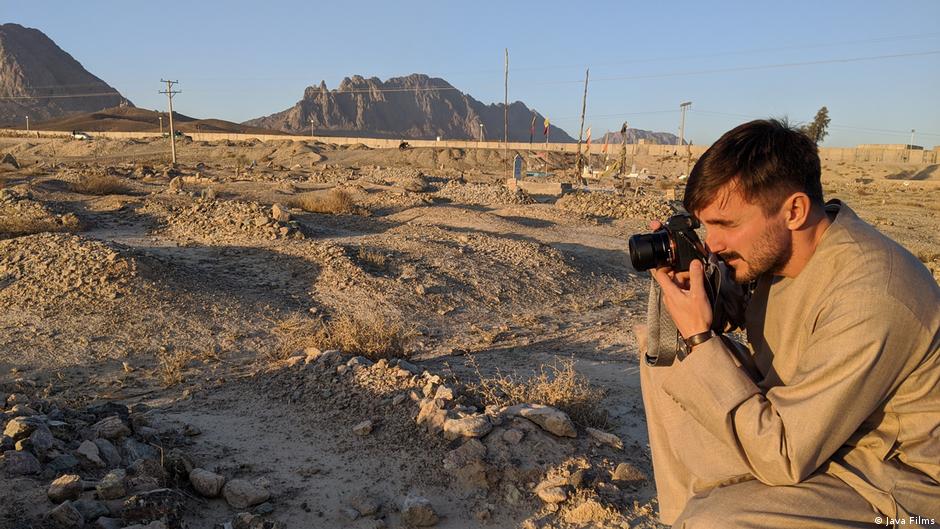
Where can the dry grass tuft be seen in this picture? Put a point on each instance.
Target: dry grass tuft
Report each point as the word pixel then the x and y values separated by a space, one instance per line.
pixel 336 202
pixel 172 366
pixel 100 185
pixel 371 258
pixel 558 385
pixel 368 334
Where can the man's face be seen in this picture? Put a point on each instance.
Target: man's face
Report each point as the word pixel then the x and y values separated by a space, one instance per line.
pixel 748 241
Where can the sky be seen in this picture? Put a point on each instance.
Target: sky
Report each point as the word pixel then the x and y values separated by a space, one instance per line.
pixel 874 64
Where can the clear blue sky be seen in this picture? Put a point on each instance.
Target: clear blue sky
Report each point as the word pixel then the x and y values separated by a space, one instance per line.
pixel 238 60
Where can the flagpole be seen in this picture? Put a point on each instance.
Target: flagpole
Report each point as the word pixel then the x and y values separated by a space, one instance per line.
pixel 579 163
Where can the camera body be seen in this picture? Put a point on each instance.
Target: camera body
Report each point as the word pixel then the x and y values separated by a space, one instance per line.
pixel 674 245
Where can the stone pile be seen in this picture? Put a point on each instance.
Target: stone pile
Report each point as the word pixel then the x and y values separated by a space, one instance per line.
pixel 49 268
pixel 109 466
pixel 616 206
pixel 482 194
pixel 223 221
pixel 510 455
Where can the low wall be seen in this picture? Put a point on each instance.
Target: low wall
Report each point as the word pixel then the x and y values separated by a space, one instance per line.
pixel 846 154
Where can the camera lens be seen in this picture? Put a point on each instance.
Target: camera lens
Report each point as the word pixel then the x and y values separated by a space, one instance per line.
pixel 649 250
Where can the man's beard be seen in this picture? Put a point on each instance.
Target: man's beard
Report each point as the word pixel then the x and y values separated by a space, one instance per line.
pixel 770 254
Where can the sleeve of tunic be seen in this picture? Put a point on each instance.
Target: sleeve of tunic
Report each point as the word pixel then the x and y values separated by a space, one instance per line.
pixel 857 351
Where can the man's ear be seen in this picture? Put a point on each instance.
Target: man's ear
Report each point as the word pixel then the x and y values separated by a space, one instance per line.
pixel 796 209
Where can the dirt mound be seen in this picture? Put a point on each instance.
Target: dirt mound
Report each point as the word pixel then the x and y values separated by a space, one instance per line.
pixel 21 215
pixel 617 206
pixel 51 268
pixel 482 194
pixel 223 221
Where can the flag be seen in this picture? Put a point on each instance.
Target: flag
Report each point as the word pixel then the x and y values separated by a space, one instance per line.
pixel 545 132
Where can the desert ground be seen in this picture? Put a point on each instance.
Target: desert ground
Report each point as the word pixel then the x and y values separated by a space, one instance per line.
pixel 296 334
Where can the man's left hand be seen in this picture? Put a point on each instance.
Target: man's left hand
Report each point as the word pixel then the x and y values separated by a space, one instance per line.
pixel 687 302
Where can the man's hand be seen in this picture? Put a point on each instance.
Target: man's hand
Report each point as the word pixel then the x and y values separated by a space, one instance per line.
pixel 685 297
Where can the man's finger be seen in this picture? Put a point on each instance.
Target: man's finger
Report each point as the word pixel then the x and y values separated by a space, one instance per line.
pixel 661 275
pixel 697 278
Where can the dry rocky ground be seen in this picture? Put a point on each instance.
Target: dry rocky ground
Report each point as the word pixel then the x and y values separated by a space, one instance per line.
pixel 287 334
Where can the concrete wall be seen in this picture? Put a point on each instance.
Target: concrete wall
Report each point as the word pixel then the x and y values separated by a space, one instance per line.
pixel 847 154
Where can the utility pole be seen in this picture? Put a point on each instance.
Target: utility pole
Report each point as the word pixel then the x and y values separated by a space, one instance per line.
pixel 482 136
pixel 506 111
pixel 623 157
pixel 27 128
pixel 578 162
pixel 682 108
pixel 160 117
pixel 311 127
pixel 169 97
pixel 912 135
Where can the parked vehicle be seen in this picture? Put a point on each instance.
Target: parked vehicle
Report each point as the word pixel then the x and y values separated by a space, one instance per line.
pixel 79 135
pixel 179 135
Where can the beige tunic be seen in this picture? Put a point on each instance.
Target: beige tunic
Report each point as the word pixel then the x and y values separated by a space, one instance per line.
pixel 847 356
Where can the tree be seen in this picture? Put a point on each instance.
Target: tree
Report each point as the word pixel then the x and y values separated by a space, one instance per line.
pixel 818 129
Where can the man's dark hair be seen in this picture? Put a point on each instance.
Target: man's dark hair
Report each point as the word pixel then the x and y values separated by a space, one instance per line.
pixel 768 159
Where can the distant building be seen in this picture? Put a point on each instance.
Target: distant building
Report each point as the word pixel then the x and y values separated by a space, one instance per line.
pixel 890 146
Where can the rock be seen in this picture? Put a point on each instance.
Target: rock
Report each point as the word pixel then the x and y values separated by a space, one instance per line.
pixel 417 511
pixel 134 450
pixel 552 494
pixel 108 453
pixel 176 184
pixel 513 436
pixel 358 361
pixel 364 504
pixel 264 508
pixel 147 468
pixel 108 523
pixel 89 453
pixel 21 463
pixel 432 414
pixel 548 418
pixel 16 398
pixel 21 410
pixel 63 463
pixel 444 393
pixel 363 428
pixel 280 213
pixel 91 509
pixel 65 515
pixel 398 399
pixel 627 472
pixel 605 438
pixel 156 524
pixel 21 427
pixel 244 520
pixel 241 494
pixel 67 487
pixel 111 486
pixel 111 428
pixel 41 441
pixel 473 426
pixel 206 483
pixel 178 465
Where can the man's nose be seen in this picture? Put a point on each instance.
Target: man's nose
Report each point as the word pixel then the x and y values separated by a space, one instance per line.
pixel 713 242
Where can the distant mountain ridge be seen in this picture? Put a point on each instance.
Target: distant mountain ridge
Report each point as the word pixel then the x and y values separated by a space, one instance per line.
pixel 413 107
pixel 38 79
pixel 633 135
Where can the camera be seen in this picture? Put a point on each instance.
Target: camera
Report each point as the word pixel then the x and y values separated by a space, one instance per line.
pixel 674 245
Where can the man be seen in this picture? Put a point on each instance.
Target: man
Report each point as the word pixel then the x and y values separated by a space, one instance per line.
pixel 831 415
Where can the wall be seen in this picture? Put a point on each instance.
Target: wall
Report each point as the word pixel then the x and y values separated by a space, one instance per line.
pixel 847 154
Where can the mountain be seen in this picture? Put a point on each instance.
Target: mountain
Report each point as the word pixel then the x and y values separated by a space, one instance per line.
pixel 656 138
pixel 132 119
pixel 412 107
pixel 40 80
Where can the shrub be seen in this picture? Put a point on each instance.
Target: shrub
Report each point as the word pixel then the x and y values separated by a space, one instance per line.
pixel 100 185
pixel 558 385
pixel 172 366
pixel 335 202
